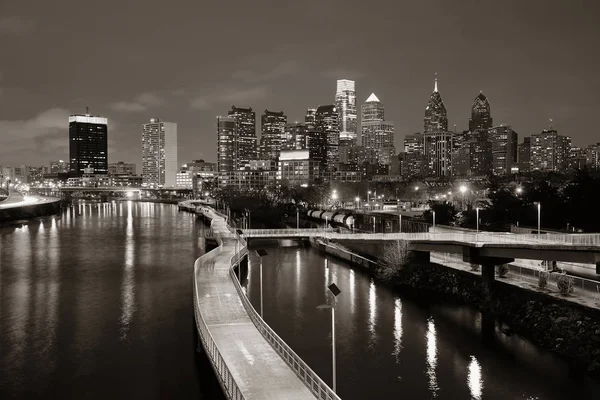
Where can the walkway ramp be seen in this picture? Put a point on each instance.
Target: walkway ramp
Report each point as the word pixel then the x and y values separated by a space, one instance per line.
pixel 247 364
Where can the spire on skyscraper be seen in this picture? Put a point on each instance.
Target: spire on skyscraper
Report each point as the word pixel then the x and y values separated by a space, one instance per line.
pixel 435 89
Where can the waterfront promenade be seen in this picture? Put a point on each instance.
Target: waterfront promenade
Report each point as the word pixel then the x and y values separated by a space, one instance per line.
pixel 246 363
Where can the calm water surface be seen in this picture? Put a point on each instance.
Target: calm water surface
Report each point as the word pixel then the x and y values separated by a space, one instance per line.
pixel 97 303
pixel 389 346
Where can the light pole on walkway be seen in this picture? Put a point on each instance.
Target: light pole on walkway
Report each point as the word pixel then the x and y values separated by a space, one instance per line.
pixel 261 253
pixel 297 218
pixel 238 232
pixel 335 291
pixel 477 216
pixel 434 222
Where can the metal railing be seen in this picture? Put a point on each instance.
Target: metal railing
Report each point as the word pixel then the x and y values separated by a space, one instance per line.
pixel 286 232
pixel 226 379
pixel 310 379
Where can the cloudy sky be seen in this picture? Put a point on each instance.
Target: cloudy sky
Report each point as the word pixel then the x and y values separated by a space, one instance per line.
pixel 189 61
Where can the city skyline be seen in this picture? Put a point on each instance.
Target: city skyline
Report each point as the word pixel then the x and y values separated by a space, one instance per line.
pixel 539 85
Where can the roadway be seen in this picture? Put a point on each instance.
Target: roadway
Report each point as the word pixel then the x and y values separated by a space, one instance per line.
pixel 16 199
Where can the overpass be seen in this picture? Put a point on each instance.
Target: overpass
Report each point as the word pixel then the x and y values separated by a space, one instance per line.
pixel 249 359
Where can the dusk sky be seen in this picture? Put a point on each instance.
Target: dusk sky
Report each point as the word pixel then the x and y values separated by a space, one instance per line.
pixel 189 61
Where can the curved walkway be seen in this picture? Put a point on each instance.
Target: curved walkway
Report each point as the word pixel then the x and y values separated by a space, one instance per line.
pixel 257 370
pixel 16 199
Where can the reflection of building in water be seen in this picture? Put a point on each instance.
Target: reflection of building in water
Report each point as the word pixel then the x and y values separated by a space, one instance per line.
pixel 475 379
pixel 432 357
pixel 397 328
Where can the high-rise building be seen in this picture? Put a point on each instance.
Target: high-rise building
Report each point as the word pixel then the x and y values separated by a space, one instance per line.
pixel 504 149
pixel 413 143
pixel 309 118
pixel 481 118
pixel 436 119
pixel 326 122
pixel 438 151
pixel 121 168
pixel 296 136
pixel 345 103
pixel 592 156
pixel 59 166
pixel 524 155
pixel 376 133
pixel 226 137
pixel 549 151
pixel 474 157
pixel 577 159
pixel 88 144
pixel 159 154
pixel 245 141
pixel 272 134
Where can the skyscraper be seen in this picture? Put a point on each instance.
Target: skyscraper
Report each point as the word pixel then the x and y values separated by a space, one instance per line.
pixel 345 103
pixel 159 154
pixel 549 151
pixel 272 135
pixel 504 149
pixel 481 118
pixel 245 140
pixel 88 144
pixel 437 148
pixel 524 155
pixel 226 138
pixel 309 119
pixel 296 137
pixel 326 122
pixel 436 119
pixel 377 134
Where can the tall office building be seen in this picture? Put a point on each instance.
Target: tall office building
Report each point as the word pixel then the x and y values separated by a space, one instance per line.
pixel 326 122
pixel 481 118
pixel 309 118
pixel 436 118
pixel 88 144
pixel 413 143
pixel 245 140
pixel 504 149
pixel 474 156
pixel 159 154
pixel 226 138
pixel 377 134
pixel 59 166
pixel 121 168
pixel 345 103
pixel 549 151
pixel 437 148
pixel 524 155
pixel 296 136
pixel 592 156
pixel 272 134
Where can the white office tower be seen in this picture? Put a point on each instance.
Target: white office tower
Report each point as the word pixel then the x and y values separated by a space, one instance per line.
pixel 345 103
pixel 159 154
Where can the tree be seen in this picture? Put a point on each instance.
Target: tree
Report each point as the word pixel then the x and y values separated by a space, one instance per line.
pixel 395 256
pixel 445 213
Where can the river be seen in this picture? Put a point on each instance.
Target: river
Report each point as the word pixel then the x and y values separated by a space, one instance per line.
pixel 96 303
pixel 392 346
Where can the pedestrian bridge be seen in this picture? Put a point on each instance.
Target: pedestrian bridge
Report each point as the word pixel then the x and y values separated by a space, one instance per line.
pixel 249 359
pixel 581 248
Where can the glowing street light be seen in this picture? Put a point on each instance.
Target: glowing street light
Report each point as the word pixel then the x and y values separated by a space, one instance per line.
pixel 539 208
pixel 463 189
pixel 519 190
pixel 335 291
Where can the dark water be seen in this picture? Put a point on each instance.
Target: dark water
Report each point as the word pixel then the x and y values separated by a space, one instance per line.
pixel 97 303
pixel 393 347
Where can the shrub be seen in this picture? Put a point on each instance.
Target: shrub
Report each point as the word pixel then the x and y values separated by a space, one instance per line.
pixel 565 284
pixel 502 270
pixel 395 256
pixel 543 280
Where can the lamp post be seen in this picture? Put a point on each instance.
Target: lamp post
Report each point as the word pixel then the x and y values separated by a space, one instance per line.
pixel 334 291
pixel 477 216
pixel 463 190
pixel 297 218
pixel 368 199
pixel 357 199
pixel 373 224
pixel 238 232
pixel 539 208
pixel 261 253
pixel 400 223
pixel 434 222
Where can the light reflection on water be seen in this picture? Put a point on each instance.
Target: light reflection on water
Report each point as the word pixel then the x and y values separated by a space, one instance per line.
pixel 389 346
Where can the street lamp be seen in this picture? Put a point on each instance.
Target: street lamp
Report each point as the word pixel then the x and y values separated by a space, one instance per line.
pixel 434 222
pixel 539 208
pixel 335 291
pixel 368 194
pixel 238 232
pixel 297 218
pixel 357 199
pixel 477 212
pixel 463 190
pixel 261 253
pixel 519 190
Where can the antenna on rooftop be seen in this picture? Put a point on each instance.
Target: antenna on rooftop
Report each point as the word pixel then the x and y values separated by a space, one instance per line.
pixel 87 111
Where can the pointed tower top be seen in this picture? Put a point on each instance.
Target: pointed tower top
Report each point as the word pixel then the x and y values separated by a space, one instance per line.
pixel 551 127
pixel 372 98
pixel 435 89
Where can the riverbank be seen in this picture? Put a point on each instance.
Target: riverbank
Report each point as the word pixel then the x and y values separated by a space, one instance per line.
pixel 30 208
pixel 569 330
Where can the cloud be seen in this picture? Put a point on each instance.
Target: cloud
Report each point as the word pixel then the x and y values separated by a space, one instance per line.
pixel 35 140
pixel 15 25
pixel 229 96
pixel 141 103
pixel 278 71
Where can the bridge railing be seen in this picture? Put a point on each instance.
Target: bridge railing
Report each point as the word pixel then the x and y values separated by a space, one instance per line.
pixel 224 376
pixel 279 232
pixel 312 381
pixel 577 239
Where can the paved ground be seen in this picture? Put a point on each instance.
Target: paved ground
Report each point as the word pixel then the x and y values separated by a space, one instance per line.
pixel 16 199
pixel 258 370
